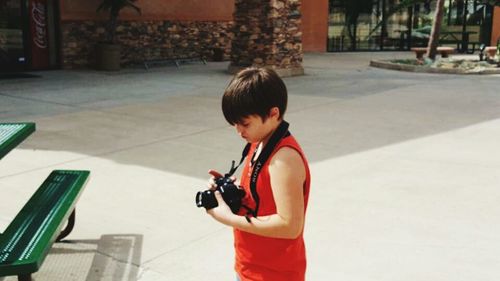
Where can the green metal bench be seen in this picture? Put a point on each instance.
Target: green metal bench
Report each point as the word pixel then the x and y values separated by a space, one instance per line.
pixel 29 237
pixel 11 134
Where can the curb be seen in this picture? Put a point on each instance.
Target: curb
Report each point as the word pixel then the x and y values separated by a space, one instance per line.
pixel 426 69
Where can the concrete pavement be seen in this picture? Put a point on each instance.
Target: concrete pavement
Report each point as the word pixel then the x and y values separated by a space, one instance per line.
pixel 404 167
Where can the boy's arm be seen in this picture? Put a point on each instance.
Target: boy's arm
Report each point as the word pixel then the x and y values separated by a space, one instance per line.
pixel 287 174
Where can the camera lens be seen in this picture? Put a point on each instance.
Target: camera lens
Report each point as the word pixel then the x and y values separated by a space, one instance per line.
pixel 206 199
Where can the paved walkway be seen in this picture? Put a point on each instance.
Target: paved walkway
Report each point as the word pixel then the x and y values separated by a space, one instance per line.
pixel 404 165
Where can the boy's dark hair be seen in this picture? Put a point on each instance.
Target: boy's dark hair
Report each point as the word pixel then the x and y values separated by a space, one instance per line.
pixel 254 91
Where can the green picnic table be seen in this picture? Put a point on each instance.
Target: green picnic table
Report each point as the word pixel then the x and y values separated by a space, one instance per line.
pixel 29 237
pixel 12 134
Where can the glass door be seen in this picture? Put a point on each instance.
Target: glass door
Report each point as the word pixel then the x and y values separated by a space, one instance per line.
pixel 395 22
pixel 29 35
pixel 12 51
pixel 359 25
pixel 352 25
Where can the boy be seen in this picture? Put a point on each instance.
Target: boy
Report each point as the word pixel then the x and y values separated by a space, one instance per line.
pixel 268 231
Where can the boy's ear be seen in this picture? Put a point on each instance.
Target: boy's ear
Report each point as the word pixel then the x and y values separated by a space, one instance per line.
pixel 274 112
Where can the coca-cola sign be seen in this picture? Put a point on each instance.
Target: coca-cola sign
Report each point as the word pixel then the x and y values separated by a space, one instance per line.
pixel 39 34
pixel 40 25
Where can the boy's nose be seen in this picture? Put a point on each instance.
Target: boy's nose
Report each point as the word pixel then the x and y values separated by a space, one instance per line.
pixel 238 128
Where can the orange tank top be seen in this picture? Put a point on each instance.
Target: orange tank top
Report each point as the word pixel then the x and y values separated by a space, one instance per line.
pixel 260 258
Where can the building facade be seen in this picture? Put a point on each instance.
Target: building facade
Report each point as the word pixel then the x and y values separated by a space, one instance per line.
pixel 48 34
pixel 376 25
pixel 28 34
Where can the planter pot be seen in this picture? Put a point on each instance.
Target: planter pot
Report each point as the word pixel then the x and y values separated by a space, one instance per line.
pixel 490 52
pixel 218 54
pixel 108 56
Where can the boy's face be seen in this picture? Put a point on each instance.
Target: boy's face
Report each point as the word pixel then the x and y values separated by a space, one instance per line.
pixel 253 129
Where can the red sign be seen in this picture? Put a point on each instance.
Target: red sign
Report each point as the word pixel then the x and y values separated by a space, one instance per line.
pixel 39 34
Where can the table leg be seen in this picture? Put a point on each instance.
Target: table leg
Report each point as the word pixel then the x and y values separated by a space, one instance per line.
pixel 465 42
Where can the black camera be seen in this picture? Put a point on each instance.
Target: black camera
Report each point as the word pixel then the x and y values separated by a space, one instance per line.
pixel 231 194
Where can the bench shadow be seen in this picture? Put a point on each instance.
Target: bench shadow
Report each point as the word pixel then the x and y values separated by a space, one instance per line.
pixel 116 256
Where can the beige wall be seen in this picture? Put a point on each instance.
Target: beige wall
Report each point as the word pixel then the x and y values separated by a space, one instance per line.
pixel 203 10
pixel 495 34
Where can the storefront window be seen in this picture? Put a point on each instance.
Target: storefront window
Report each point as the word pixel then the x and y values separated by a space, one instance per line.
pixel 359 25
pixel 12 55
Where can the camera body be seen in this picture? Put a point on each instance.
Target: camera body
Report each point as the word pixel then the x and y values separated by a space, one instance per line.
pixel 231 193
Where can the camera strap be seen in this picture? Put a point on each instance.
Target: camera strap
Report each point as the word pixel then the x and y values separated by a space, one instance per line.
pixel 243 156
pixel 280 133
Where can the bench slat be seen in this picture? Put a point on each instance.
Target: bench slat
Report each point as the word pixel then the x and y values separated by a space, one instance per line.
pixel 27 240
pixel 11 134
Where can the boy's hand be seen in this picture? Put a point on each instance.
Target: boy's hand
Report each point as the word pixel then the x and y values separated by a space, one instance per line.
pixel 222 212
pixel 211 181
pixel 215 175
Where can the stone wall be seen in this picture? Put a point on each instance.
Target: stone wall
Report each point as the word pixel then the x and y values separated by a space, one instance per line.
pixel 146 40
pixel 268 33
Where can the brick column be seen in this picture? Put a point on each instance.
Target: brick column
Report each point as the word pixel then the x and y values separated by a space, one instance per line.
pixel 267 33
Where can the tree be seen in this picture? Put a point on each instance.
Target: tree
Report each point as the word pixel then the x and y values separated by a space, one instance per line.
pixel 114 7
pixel 108 53
pixel 353 9
pixel 396 8
pixel 436 26
pixel 435 31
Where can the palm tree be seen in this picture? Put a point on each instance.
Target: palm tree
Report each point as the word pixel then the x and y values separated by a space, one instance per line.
pixel 114 7
pixel 108 53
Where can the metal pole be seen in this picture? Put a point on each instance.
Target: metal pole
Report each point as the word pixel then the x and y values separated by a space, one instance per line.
pixel 464 25
pixel 449 12
pixel 384 26
pixel 408 42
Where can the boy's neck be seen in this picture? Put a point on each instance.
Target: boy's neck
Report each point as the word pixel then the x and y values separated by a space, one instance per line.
pixel 268 137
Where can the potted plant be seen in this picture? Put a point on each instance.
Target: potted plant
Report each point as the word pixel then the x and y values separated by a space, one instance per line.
pixel 108 51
